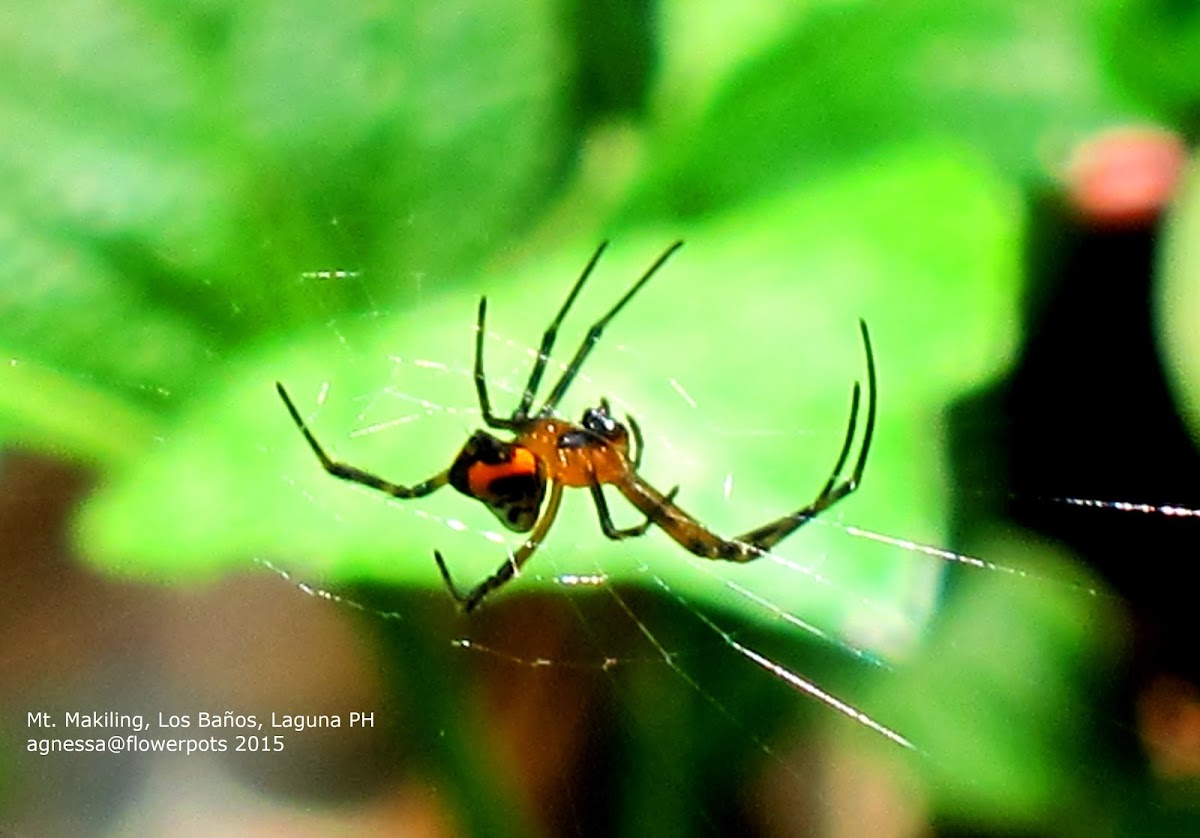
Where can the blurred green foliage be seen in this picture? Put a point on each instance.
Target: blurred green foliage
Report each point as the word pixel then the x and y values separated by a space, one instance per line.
pixel 173 170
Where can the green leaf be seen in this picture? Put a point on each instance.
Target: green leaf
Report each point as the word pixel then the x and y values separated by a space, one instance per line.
pixel 1016 80
pixel 1153 47
pixel 1002 696
pixel 67 307
pixel 172 172
pixel 1178 300
pixel 426 133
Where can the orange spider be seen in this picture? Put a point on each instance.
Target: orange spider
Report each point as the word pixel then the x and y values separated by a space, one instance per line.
pixel 511 477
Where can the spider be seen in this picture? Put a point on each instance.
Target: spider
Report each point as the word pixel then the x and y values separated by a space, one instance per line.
pixel 513 477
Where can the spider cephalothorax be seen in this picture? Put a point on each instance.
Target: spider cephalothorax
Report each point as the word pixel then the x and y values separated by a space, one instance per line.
pixel 521 480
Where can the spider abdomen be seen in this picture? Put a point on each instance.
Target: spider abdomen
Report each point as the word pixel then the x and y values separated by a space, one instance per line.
pixel 506 477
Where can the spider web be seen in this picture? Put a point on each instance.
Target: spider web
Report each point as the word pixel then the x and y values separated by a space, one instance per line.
pixel 777 645
pixel 633 616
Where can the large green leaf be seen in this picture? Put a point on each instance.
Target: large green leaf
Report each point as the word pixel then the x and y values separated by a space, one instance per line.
pixel 1153 47
pixel 737 360
pixel 1003 695
pixel 1019 81
pixel 172 172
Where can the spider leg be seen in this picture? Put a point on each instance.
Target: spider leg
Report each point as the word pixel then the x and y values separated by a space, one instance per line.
pixel 638 444
pixel 485 403
pixel 837 487
pixel 512 566
pixel 689 533
pixel 549 336
pixel 606 524
pixel 696 538
pixel 357 475
pixel 539 365
pixel 597 329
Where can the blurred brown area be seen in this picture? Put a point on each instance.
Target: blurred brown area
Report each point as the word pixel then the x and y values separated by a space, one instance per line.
pixel 72 639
